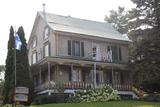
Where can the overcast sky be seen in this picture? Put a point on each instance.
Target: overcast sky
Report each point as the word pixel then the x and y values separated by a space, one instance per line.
pixel 23 12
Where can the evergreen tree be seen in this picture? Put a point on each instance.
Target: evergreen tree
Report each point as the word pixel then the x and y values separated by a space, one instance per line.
pixel 9 67
pixel 23 72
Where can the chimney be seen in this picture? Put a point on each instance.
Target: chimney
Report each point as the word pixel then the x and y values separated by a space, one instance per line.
pixel 44 12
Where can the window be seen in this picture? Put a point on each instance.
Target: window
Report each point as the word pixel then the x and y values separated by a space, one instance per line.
pixel 116 53
pixel 34 57
pixel 96 54
pixel 94 51
pixel 76 75
pixel 34 43
pixel 46 49
pixel 75 48
pixel 46 32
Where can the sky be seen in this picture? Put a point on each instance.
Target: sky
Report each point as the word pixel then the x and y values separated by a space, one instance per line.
pixel 23 12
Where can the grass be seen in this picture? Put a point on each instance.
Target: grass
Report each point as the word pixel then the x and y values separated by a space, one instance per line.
pixel 106 104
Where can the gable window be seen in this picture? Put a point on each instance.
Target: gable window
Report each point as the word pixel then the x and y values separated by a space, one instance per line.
pixel 46 33
pixel 34 57
pixel 46 49
pixel 34 43
pixel 75 48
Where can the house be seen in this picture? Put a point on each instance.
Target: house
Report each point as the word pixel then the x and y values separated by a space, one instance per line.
pixel 76 53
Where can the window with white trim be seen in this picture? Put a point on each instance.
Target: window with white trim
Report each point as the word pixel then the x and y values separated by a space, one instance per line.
pixel 46 32
pixel 75 48
pixel 34 57
pixel 46 49
pixel 34 43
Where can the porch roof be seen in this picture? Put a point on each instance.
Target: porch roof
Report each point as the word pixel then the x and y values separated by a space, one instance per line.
pixel 81 62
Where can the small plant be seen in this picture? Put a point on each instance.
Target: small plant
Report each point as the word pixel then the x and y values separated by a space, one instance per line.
pixel 106 93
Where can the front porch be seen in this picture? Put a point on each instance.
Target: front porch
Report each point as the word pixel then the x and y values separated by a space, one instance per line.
pixel 76 75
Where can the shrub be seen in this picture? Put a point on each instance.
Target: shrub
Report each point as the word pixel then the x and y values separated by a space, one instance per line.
pixel 151 97
pixel 54 98
pixel 106 93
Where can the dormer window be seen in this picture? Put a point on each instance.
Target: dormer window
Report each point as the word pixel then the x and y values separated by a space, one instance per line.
pixel 46 32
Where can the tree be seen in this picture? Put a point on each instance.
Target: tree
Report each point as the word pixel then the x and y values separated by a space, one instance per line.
pixel 9 67
pixel 145 29
pixel 118 19
pixel 2 69
pixel 23 72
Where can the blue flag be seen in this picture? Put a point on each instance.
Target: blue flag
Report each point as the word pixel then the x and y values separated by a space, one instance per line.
pixel 18 42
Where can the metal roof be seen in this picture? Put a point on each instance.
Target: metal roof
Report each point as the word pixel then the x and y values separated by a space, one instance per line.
pixel 82 26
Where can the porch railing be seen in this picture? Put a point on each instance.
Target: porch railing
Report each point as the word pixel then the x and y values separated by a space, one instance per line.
pixel 45 86
pixel 123 87
pixel 77 85
pixel 81 85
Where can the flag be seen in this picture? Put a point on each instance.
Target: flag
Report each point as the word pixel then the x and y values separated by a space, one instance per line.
pixel 18 42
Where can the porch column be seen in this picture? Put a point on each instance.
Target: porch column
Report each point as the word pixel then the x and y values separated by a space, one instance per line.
pixel 94 76
pixel 49 79
pixel 40 76
pixel 113 83
pixel 56 73
pixel 71 72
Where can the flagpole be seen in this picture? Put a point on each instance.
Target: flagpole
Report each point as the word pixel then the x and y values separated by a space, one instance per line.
pixel 15 62
pixel 15 70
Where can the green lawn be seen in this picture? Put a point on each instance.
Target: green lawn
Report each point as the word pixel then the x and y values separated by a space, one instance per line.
pixel 106 104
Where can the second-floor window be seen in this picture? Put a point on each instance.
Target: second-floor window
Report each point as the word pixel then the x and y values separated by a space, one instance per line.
pixel 75 48
pixel 46 49
pixel 116 53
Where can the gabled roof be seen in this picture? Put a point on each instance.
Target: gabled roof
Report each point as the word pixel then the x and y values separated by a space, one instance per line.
pixel 81 26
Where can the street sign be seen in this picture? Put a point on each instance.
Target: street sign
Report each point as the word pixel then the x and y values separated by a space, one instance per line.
pixel 21 97
pixel 22 90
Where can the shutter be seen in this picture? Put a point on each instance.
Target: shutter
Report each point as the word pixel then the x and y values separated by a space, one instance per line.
pixel 49 49
pixel 82 48
pixel 69 47
pixel 120 54
pixel 73 48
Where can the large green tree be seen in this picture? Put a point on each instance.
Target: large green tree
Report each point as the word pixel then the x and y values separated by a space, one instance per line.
pixel 118 19
pixel 23 72
pixel 9 67
pixel 145 24
pixel 143 27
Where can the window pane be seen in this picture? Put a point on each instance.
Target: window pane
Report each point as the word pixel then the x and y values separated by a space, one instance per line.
pixel 46 49
pixel 77 48
pixel 114 53
pixel 34 58
pixel 34 43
